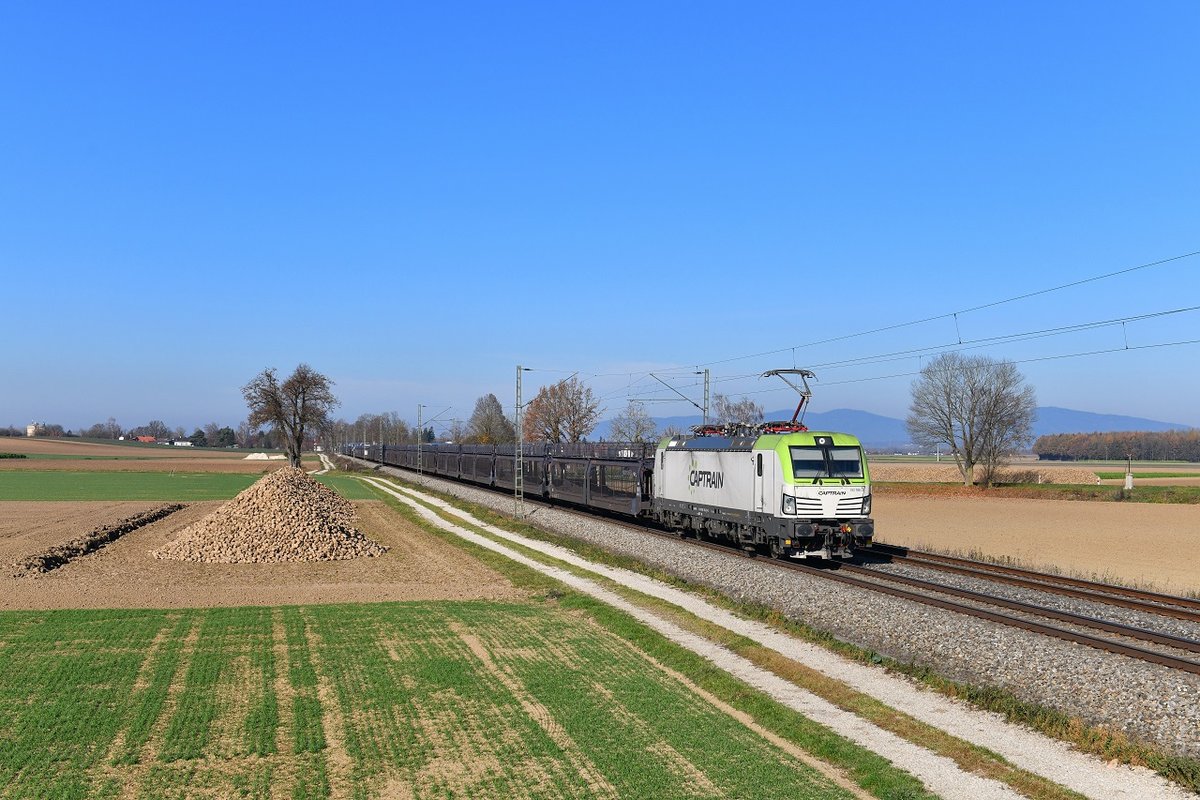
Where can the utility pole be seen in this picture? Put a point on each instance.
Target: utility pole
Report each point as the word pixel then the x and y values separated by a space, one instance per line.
pixel 421 431
pixel 519 456
pixel 419 437
pixel 705 373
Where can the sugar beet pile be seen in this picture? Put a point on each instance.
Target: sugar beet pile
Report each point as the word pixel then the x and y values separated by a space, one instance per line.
pixel 284 516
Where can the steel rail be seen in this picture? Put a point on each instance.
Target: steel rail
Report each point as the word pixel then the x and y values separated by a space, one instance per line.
pixel 1099 643
pixel 1133 632
pixel 1185 608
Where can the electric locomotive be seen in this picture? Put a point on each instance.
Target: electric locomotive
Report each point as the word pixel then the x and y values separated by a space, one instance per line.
pixel 777 487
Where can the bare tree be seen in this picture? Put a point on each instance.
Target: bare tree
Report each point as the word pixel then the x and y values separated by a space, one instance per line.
pixel 52 431
pixel 488 424
pixel 104 430
pixel 633 424
pixel 977 407
pixel 211 430
pixel 456 431
pixel 302 402
pixel 564 412
pixel 155 427
pixel 744 411
pixel 245 434
pixel 385 428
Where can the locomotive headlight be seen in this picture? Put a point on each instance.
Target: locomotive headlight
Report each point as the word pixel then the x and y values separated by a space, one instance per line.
pixel 789 504
pixel 866 506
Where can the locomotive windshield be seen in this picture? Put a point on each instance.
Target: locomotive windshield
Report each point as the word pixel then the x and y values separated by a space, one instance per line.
pixel 836 462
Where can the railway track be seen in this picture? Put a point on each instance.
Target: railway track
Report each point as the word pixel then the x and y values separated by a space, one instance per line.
pixel 1184 608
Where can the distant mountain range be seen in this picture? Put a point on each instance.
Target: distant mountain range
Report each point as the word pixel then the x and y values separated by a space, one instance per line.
pixel 879 432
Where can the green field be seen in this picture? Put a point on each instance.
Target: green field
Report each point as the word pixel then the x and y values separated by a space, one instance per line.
pixel 164 486
pixel 466 699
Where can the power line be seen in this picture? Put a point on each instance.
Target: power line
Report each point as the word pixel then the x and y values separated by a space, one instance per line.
pixel 1058 357
pixel 949 314
pixel 1002 339
pixel 976 344
pixel 640 384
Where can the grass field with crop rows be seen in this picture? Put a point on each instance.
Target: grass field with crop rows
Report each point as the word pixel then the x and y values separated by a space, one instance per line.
pixel 165 486
pixel 451 699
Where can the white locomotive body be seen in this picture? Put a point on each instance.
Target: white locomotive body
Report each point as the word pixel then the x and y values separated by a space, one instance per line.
pixel 790 492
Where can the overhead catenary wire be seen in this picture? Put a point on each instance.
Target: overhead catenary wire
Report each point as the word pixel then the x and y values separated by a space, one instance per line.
pixel 971 345
pixel 640 388
pixel 954 314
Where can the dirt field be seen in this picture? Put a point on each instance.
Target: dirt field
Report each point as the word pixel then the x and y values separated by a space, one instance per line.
pixel 227 465
pixel 74 447
pixel 948 473
pixel 72 455
pixel 28 527
pixel 417 566
pixel 1150 545
pixel 1030 470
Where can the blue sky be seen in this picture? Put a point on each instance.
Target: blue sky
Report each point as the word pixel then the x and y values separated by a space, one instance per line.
pixel 415 198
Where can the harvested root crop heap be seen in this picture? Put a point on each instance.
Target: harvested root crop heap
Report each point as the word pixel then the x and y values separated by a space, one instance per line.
pixel 285 516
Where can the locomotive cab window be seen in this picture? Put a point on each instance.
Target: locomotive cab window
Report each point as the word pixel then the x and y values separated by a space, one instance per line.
pixel 814 462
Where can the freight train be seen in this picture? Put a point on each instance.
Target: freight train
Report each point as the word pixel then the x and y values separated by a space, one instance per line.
pixel 775 488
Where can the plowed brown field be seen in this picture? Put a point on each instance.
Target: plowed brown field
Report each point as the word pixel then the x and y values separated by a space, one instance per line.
pixel 229 465
pixel 948 473
pixel 72 455
pixel 74 447
pixel 1151 545
pixel 28 527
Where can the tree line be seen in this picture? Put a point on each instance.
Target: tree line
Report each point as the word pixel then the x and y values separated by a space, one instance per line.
pixel 210 435
pixel 1178 445
pixel 565 412
pixel 294 414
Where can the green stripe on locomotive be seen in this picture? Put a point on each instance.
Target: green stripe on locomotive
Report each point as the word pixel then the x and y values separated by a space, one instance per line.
pixel 781 442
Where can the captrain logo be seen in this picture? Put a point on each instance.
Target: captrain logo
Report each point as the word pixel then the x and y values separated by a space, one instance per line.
pixel 706 478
